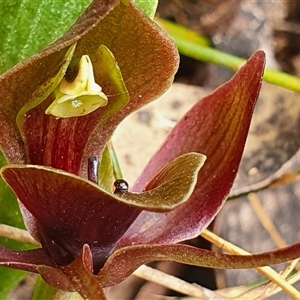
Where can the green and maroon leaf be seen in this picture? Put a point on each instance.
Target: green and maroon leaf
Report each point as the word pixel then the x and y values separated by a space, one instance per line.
pixel 217 126
pixel 18 84
pixel 136 43
pixel 27 260
pixel 117 267
pixel 84 213
pixel 77 276
pixel 147 58
pixel 49 140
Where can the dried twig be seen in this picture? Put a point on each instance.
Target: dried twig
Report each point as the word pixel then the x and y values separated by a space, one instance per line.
pixel 17 234
pixel 266 221
pixel 270 182
pixel 266 271
pixel 175 283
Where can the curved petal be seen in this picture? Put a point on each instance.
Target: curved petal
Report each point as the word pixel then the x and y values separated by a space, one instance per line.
pixel 24 260
pixel 217 126
pixel 73 211
pixel 60 142
pixel 77 276
pixel 172 186
pixel 117 267
pixel 18 84
pixel 136 43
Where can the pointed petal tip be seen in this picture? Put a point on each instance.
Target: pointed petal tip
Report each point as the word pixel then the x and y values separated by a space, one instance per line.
pixel 258 59
pixel 260 54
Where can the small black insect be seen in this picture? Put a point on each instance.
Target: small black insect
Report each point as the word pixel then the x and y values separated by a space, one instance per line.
pixel 121 186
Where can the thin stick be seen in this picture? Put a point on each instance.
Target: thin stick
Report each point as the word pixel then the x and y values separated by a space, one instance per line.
pixel 17 234
pixel 266 271
pixel 270 182
pixel 175 283
pixel 291 280
pixel 265 220
pixel 290 267
pixel 273 233
pixel 266 290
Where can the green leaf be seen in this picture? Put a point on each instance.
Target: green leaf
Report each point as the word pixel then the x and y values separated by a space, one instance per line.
pixel 9 214
pixel 44 291
pixel 114 160
pixel 28 26
pixel 147 6
pixel 9 280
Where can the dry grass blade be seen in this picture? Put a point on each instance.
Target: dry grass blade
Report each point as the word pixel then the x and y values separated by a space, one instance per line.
pixel 266 271
pixel 289 268
pixel 267 289
pixel 291 280
pixel 273 181
pixel 175 283
pixel 274 234
pixel 17 234
pixel 265 220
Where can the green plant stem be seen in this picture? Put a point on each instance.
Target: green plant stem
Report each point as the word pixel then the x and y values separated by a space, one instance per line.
pixel 115 162
pixel 196 49
pixel 183 32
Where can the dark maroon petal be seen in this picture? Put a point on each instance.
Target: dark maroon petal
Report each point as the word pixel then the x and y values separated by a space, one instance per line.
pixel 217 126
pixel 24 260
pixel 57 142
pixel 136 43
pixel 77 276
pixel 70 211
pixel 18 84
pixel 125 260
pixel 148 60
pixel 56 278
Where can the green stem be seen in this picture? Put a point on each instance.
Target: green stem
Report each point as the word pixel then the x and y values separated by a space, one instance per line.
pixel 183 32
pixel 195 46
pixel 115 162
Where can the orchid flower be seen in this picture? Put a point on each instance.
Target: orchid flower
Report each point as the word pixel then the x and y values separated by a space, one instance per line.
pixel 58 111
